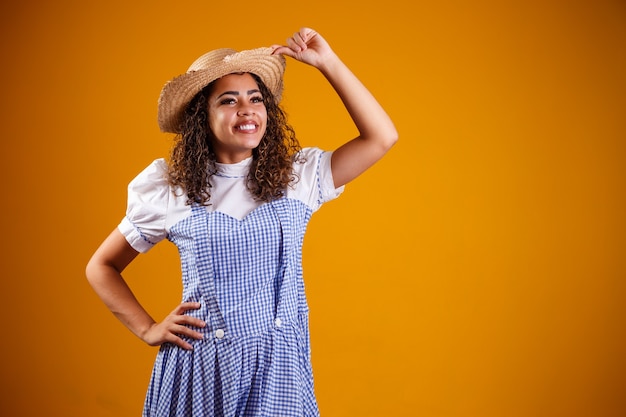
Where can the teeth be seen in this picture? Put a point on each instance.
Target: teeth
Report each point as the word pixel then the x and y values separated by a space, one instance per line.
pixel 246 127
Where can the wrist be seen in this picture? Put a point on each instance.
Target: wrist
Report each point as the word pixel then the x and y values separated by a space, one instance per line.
pixel 330 64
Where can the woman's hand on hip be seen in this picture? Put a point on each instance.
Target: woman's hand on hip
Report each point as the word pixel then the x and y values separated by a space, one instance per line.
pixel 176 325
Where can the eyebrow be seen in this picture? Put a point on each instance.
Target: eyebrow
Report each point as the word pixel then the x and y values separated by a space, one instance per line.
pixel 236 93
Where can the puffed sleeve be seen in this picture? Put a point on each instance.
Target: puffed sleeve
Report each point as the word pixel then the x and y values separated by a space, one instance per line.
pixel 315 178
pixel 148 199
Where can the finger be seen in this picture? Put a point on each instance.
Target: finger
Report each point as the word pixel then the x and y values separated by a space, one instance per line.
pixel 307 35
pixel 190 321
pixel 189 305
pixel 286 51
pixel 186 331
pixel 281 50
pixel 299 39
pixel 180 342
pixel 292 43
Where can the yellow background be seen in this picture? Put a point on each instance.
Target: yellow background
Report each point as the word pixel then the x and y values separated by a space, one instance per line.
pixel 478 270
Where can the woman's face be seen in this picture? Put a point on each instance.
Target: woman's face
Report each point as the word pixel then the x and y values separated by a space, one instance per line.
pixel 237 117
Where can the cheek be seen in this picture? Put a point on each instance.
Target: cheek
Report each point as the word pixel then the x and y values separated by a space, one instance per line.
pixel 264 124
pixel 216 119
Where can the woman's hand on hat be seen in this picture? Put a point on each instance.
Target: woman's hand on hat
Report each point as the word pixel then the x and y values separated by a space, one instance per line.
pixel 306 46
pixel 174 327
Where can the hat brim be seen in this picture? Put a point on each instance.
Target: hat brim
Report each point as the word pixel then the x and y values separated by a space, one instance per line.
pixel 178 92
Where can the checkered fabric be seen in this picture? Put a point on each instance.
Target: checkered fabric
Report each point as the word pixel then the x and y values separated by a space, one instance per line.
pixel 254 359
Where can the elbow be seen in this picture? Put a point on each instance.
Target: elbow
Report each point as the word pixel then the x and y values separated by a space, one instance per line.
pixel 390 139
pixel 384 141
pixel 95 270
pixel 393 139
pixel 90 271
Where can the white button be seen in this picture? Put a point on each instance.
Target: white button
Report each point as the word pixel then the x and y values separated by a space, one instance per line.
pixel 219 333
pixel 278 322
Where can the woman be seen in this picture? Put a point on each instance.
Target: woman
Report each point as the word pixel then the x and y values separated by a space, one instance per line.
pixel 235 198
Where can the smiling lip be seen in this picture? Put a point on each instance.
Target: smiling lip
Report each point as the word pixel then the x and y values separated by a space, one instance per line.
pixel 246 127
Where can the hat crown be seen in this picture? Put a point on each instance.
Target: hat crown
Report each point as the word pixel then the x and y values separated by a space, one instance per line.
pixel 211 58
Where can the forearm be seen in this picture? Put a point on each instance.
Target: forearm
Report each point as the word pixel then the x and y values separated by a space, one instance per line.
pixel 110 286
pixel 377 133
pixel 369 117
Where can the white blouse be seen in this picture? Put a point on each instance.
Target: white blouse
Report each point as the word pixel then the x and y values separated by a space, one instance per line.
pixel 154 206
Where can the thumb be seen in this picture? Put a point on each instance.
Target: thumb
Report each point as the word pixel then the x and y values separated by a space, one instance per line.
pixel 282 50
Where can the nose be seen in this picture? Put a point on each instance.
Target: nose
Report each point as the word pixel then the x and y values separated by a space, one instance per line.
pixel 245 110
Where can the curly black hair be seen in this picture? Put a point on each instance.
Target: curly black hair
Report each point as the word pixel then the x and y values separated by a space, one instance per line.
pixel 192 160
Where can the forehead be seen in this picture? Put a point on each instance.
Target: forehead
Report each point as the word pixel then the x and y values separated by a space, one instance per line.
pixel 235 82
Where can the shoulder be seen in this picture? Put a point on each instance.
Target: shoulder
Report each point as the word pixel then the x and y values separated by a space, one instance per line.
pixel 154 173
pixel 151 181
pixel 146 212
pixel 311 152
pixel 309 159
pixel 151 186
pixel 314 181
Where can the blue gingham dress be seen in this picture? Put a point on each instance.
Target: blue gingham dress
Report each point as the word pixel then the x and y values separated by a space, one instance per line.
pixel 242 261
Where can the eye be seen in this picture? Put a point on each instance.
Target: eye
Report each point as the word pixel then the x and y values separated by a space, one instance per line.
pixel 228 100
pixel 257 99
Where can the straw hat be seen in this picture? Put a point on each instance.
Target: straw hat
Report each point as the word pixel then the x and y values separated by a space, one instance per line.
pixel 178 92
